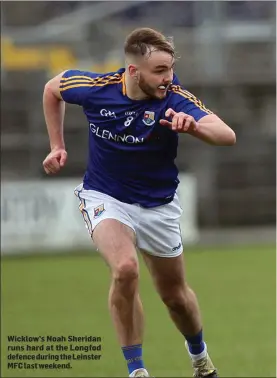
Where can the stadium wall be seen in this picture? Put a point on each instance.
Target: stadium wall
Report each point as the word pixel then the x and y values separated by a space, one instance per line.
pixel 40 217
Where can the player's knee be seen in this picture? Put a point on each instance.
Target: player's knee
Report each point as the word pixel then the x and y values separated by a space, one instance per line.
pixel 126 273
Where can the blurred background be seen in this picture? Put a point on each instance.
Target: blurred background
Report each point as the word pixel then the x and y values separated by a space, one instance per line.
pixel 228 59
pixel 227 52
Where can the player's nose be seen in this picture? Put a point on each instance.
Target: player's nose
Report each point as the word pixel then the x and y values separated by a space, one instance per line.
pixel 167 80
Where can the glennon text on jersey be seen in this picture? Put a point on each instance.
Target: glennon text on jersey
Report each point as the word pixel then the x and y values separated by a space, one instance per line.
pixel 107 134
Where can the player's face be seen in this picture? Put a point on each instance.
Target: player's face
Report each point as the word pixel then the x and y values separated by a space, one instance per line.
pixel 155 74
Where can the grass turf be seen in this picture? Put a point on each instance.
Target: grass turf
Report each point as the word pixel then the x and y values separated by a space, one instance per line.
pixel 67 295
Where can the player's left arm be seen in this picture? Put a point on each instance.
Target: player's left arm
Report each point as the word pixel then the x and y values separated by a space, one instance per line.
pixel 190 116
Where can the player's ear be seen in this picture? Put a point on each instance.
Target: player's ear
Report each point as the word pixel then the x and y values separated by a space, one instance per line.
pixel 133 71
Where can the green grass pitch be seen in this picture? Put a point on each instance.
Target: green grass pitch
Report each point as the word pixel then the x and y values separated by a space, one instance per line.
pixel 67 295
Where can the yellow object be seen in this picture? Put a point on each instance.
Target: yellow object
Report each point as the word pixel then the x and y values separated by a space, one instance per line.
pixel 52 58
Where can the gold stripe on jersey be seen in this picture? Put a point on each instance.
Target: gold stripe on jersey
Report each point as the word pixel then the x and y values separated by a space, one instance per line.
pixel 89 84
pixel 68 80
pixel 186 94
pixel 90 78
pixel 86 81
pixel 82 81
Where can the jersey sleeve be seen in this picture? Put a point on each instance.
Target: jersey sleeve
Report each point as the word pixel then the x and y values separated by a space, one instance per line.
pixel 184 101
pixel 76 86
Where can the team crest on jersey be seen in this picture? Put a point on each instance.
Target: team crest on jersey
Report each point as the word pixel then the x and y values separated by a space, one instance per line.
pixel 99 210
pixel 148 118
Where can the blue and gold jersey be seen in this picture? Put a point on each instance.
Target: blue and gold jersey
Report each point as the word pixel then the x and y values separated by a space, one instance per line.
pixel 131 156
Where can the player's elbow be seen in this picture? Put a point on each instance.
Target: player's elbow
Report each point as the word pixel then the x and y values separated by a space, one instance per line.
pixel 230 137
pixel 225 135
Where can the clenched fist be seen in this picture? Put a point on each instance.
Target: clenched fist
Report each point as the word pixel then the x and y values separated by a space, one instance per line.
pixel 55 161
pixel 180 122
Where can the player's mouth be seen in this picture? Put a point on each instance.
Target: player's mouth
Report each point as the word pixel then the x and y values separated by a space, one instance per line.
pixel 163 87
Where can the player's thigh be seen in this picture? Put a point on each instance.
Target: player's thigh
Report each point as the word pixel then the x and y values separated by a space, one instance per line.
pixel 110 227
pixel 158 232
pixel 116 243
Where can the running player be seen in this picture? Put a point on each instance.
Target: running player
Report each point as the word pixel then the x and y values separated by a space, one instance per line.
pixel 128 195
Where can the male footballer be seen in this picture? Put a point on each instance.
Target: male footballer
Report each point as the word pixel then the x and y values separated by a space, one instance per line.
pixel 128 195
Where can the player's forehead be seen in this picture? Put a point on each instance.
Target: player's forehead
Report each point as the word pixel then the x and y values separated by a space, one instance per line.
pixel 158 59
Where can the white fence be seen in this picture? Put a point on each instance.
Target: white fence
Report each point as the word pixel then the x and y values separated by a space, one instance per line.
pixel 40 216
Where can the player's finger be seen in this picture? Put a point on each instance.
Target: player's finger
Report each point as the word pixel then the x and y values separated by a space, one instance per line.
pixel 175 122
pixel 47 170
pixel 165 122
pixel 53 167
pixel 54 164
pixel 181 120
pixel 170 113
pixel 50 165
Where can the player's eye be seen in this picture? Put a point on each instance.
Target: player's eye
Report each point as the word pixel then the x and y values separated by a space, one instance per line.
pixel 160 70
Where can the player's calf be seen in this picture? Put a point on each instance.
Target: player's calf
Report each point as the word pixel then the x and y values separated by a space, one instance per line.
pixel 182 305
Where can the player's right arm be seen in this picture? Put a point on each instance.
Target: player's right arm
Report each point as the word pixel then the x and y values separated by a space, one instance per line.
pixel 72 86
pixel 54 110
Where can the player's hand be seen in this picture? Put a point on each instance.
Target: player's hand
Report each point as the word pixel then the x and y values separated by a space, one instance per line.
pixel 180 122
pixel 55 161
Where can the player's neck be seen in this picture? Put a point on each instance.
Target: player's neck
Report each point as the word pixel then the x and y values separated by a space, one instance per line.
pixel 133 91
